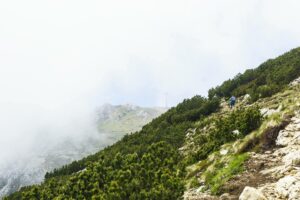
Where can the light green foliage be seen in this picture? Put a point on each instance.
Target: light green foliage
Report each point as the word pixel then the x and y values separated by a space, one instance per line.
pixel 269 78
pixel 243 120
pixel 194 183
pixel 216 177
pixel 152 175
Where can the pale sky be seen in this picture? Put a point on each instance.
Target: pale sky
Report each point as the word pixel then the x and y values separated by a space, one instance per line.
pixel 55 52
pixel 59 58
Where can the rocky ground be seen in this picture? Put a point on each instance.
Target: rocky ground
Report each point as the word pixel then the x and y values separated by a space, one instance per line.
pixel 284 167
pixel 273 171
pixel 270 175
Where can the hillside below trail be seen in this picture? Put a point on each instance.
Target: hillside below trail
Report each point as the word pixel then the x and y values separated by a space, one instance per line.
pixel 273 172
pixel 282 166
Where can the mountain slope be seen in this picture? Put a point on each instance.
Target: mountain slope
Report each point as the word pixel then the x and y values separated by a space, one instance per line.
pixel 197 146
pixel 125 118
pixel 113 122
pixel 264 158
pixel 267 79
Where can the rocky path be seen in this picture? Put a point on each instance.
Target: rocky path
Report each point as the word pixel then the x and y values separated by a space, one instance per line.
pixel 272 175
pixel 283 166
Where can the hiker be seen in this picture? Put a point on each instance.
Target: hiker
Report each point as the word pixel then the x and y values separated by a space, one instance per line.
pixel 232 101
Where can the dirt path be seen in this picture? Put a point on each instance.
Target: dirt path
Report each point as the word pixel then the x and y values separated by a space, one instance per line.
pixel 279 176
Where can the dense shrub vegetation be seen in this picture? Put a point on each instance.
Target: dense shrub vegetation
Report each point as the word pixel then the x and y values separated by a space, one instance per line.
pixel 147 164
pixel 143 165
pixel 169 127
pixel 237 125
pixel 152 176
pixel 269 78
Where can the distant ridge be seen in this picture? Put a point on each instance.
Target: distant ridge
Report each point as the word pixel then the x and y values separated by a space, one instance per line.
pixel 128 118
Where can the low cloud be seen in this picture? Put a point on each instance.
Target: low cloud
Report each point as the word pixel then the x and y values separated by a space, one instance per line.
pixel 61 59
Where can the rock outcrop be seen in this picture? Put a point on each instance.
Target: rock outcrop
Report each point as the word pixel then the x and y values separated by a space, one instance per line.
pixel 295 82
pixel 250 193
pixel 286 172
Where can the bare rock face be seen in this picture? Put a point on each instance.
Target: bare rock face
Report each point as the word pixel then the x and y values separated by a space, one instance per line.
pixel 250 193
pixel 246 97
pixel 224 151
pixel 268 112
pixel 292 158
pixel 227 196
pixel 295 82
pixel 286 173
pixel 289 187
pixel 195 195
pixel 284 138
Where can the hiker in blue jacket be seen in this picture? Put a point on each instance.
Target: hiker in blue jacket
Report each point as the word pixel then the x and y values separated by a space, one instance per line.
pixel 232 101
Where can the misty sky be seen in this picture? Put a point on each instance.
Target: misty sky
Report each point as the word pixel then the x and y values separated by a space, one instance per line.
pixel 57 52
pixel 61 58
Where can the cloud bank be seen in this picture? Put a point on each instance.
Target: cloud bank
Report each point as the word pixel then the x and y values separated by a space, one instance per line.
pixel 61 58
pixel 53 53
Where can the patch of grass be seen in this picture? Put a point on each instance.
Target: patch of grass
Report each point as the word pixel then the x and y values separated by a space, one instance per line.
pixel 252 142
pixel 249 144
pixel 264 139
pixel 223 172
pixel 201 166
pixel 194 183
